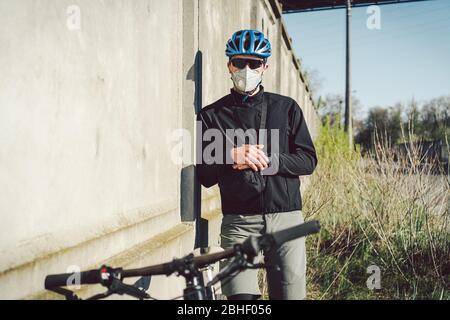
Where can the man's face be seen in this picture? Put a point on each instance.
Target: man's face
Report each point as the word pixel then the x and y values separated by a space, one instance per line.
pixel 232 68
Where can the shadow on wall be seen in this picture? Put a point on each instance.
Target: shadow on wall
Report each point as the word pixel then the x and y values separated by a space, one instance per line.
pixel 190 188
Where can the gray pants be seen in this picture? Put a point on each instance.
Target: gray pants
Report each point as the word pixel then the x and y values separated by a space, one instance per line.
pixel 289 282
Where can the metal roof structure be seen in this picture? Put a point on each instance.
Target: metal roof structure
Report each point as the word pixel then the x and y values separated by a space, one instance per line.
pixel 293 6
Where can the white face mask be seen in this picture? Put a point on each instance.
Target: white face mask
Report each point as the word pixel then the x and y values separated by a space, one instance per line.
pixel 246 80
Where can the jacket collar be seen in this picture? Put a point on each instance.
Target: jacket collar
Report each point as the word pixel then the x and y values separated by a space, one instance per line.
pixel 241 99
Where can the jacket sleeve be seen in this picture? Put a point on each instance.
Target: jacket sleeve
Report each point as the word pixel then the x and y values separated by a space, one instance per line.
pixel 207 174
pixel 301 158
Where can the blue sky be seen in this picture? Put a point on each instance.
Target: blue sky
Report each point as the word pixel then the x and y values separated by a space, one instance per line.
pixel 408 57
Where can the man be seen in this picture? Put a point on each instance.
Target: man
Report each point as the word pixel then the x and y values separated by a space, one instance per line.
pixel 279 205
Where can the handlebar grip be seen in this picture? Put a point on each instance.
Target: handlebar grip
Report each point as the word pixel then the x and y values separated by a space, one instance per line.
pixel 60 280
pixel 299 231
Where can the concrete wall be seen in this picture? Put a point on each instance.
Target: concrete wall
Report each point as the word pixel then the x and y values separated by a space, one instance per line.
pixel 87 116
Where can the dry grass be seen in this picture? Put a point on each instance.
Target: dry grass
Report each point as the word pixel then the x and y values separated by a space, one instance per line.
pixel 387 209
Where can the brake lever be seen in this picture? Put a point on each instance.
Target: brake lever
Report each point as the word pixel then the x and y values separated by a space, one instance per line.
pixel 100 296
pixel 236 264
pixel 68 294
pixel 121 288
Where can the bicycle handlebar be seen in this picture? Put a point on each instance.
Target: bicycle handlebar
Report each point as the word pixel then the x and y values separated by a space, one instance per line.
pixel 170 267
pixel 95 276
pixel 250 247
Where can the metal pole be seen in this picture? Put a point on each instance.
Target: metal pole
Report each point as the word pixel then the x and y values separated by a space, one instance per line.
pixel 348 126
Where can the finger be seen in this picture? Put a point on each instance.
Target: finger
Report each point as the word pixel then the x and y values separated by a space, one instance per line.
pixel 264 156
pixel 256 162
pixel 252 153
pixel 252 165
pixel 262 161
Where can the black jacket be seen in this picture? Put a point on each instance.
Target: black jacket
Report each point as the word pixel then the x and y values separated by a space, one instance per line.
pixel 296 157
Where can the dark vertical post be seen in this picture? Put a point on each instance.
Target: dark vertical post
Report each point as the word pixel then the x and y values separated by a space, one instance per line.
pixel 348 126
pixel 201 225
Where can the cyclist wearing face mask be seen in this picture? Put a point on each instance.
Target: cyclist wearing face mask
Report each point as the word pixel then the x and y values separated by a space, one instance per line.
pixel 278 205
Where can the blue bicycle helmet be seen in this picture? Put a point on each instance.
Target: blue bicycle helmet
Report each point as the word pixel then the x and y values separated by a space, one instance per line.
pixel 250 42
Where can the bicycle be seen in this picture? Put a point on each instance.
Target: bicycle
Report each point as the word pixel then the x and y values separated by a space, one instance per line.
pixel 240 255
